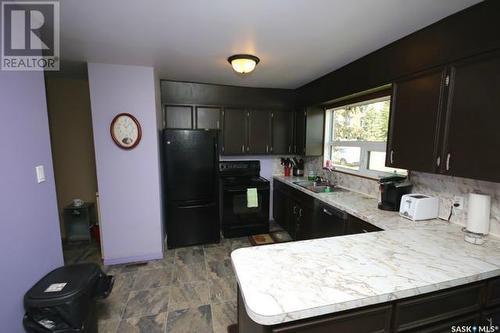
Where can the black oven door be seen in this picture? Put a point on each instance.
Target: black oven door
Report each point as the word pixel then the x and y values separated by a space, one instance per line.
pixel 239 218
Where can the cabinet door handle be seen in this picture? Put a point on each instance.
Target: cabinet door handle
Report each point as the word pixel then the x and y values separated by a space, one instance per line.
pixel 267 148
pixel 218 124
pixel 392 156
pixel 242 148
pixel 327 212
pixel 294 210
pixel 438 161
pixel 448 157
pixel 248 148
pixel 300 212
pixel 271 148
pixel 289 149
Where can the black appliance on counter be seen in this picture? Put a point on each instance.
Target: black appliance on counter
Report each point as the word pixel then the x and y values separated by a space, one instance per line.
pixel 298 167
pixel 392 188
pixel 244 199
pixel 190 173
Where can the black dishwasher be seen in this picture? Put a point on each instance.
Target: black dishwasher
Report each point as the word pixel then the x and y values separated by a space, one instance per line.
pixel 358 226
pixel 329 221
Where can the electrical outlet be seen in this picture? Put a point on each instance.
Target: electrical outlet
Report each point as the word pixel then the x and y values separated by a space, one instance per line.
pixel 458 202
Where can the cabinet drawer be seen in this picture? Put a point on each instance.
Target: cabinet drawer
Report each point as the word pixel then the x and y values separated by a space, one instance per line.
pixel 364 321
pixel 426 310
pixel 445 327
pixel 493 294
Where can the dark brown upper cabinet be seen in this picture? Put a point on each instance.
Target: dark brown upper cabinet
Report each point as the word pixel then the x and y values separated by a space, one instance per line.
pixel 282 132
pixel 414 123
pixel 309 131
pixel 208 117
pixel 259 132
pixel 299 147
pixel 447 121
pixel 234 131
pixel 178 116
pixel 472 135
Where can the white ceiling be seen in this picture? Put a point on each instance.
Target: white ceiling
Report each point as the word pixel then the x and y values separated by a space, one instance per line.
pixel 296 40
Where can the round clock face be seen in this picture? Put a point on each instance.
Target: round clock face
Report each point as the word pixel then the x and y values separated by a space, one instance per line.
pixel 125 131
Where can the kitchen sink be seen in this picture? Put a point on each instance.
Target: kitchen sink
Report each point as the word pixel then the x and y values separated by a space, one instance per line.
pixel 318 187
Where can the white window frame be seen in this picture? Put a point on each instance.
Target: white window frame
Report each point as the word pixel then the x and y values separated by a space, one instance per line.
pixel 365 146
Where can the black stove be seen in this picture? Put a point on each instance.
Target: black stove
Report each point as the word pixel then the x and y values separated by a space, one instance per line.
pixel 244 199
pixel 245 181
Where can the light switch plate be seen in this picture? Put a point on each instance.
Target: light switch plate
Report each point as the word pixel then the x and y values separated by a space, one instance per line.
pixel 40 174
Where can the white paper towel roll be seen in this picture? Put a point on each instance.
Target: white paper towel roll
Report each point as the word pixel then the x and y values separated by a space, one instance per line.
pixel 478 215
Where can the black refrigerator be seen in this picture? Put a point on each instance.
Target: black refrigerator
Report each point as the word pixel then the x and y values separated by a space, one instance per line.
pixel 190 175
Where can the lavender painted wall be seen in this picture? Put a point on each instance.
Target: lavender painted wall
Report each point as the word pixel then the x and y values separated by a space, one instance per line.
pixel 30 243
pixel 129 182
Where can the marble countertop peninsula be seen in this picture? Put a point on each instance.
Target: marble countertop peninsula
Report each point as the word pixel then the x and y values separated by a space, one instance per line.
pixel 296 280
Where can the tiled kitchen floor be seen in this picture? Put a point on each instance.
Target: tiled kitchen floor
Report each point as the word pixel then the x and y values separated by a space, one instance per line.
pixel 193 289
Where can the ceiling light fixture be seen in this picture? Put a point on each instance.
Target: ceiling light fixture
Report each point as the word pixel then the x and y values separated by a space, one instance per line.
pixel 243 63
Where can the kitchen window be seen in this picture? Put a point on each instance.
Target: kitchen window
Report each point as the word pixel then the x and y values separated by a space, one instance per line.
pixel 355 138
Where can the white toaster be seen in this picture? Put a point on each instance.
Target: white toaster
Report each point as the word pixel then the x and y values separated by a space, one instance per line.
pixel 419 207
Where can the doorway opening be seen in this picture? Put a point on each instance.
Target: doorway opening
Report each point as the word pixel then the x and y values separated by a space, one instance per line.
pixel 73 155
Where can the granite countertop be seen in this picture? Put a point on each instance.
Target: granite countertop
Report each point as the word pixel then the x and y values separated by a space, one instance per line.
pixel 290 281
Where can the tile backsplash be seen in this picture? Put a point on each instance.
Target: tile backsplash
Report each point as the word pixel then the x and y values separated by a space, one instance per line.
pixel 445 187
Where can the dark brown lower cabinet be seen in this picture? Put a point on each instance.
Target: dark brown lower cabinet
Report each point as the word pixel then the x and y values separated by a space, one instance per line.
pixel 294 211
pixel 281 204
pixel 491 317
pixel 369 320
pixel 493 298
pixel 301 220
pixel 303 217
pixel 446 326
pixel 436 307
pixel 442 311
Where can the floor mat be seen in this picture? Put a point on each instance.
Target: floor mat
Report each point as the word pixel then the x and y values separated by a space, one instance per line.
pixel 270 238
pixel 261 239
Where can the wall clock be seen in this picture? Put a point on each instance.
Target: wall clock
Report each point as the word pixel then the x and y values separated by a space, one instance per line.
pixel 125 131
